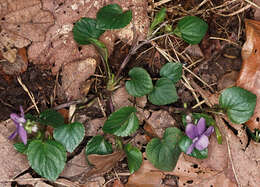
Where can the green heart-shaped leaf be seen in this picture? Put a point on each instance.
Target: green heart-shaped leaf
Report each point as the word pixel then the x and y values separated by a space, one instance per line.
pixel 164 92
pixel 185 143
pixel 191 29
pixel 122 122
pixel 51 117
pixel 140 83
pixel 238 103
pixel 47 158
pixel 70 135
pixel 113 17
pixel 164 154
pixel 84 29
pixel 134 157
pixel 98 145
pixel 172 71
pixel 21 148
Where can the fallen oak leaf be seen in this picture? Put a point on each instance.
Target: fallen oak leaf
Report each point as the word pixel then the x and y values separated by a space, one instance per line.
pixel 249 73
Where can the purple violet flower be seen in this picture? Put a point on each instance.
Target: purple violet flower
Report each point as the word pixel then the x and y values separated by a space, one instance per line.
pixel 19 121
pixel 199 135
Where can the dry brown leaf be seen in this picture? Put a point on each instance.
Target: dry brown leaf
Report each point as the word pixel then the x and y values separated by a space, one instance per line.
pixel 12 163
pixel 94 127
pixel 118 183
pixel 159 121
pixel 257 10
pixel 18 66
pixel 103 163
pixel 121 98
pixel 95 182
pixel 74 74
pixel 249 73
pixel 194 50
pixel 194 174
pixel 76 166
pixel 22 22
pixel 228 80
pixel 244 160
pixel 146 176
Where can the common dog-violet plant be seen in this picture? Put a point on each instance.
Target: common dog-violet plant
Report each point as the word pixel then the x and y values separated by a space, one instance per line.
pixel 88 30
pixel 46 153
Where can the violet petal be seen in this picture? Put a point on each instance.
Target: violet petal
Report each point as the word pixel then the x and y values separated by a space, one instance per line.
pixel 16 118
pixel 201 126
pixel 209 131
pixel 22 134
pixel 13 135
pixel 22 112
pixel 191 131
pixel 190 149
pixel 202 143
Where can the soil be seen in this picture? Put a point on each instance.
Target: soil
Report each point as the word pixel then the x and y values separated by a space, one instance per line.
pixel 39 82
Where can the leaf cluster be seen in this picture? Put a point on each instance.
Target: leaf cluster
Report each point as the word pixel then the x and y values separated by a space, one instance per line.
pixel 48 156
pixel 163 92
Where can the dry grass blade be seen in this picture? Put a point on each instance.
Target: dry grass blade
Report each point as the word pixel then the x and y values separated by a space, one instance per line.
pixel 29 93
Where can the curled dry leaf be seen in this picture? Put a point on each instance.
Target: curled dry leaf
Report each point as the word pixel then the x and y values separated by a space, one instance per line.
pixel 59 48
pixel 19 66
pixel 22 22
pixel 103 163
pixel 249 77
pixel 76 166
